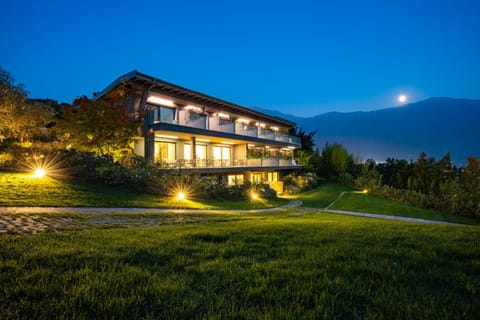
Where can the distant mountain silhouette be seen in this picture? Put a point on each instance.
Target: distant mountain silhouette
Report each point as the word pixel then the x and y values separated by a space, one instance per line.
pixel 435 125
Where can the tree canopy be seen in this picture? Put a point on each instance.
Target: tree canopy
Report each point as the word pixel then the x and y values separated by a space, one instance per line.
pixel 97 126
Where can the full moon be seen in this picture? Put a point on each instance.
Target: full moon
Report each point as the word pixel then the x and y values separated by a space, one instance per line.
pixel 402 98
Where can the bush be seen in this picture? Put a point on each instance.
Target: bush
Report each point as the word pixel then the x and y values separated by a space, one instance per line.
pixel 294 183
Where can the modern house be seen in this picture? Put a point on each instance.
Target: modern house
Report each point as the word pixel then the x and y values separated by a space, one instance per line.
pixel 185 129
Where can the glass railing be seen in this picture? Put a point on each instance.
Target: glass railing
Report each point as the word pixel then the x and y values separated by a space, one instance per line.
pixel 226 163
pixel 199 121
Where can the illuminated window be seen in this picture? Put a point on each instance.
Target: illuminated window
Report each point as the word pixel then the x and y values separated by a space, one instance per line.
pixel 234 179
pixel 187 152
pixel 165 152
pixel 201 152
pixel 221 153
pixel 256 178
pixel 272 176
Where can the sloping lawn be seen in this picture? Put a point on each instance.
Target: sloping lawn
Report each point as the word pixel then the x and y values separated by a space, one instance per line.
pixel 287 265
pixel 321 196
pixel 18 189
pixel 375 204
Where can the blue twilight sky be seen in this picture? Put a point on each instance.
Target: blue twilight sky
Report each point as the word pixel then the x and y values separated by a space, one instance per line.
pixel 299 57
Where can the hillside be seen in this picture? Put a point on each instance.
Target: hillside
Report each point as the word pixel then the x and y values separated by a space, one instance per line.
pixel 435 125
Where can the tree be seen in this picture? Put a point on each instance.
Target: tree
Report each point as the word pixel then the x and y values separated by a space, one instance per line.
pixel 97 126
pixel 12 100
pixel 337 159
pixel 20 119
pixel 306 138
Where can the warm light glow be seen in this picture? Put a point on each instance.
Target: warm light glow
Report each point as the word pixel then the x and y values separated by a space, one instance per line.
pixel 160 101
pixel 226 142
pixel 193 108
pixel 241 120
pixel 402 98
pixel 181 196
pixel 365 191
pixel 40 173
pixel 254 196
pixel 223 116
pixel 165 136
pixel 274 128
pixel 203 140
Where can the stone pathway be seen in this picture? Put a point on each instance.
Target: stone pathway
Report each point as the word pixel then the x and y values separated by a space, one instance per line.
pixel 36 219
pixel 14 220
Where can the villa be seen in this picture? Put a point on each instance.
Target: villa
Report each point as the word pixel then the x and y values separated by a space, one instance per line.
pixel 185 129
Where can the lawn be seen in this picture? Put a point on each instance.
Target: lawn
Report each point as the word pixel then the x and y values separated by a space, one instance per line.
pixel 18 189
pixel 321 196
pixel 282 265
pixel 374 204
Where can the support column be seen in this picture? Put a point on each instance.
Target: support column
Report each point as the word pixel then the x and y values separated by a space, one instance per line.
pixel 147 132
pixel 149 137
pixel 194 152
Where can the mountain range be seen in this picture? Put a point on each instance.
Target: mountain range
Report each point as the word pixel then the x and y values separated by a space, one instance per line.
pixel 435 126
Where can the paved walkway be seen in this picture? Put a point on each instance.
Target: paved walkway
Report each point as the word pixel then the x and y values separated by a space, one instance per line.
pixel 388 217
pixel 34 220
pixel 92 210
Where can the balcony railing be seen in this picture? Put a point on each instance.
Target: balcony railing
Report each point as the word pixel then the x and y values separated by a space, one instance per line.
pixel 195 120
pixel 210 163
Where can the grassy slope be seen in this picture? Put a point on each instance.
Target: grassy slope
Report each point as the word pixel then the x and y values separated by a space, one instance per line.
pixel 23 190
pixel 375 204
pixel 261 266
pixel 321 196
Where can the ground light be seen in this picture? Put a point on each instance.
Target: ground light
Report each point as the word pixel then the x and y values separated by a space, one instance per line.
pixel 254 196
pixel 39 173
pixel 181 196
pixel 365 191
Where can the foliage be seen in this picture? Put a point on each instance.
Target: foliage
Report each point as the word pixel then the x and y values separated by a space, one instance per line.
pixel 337 161
pixel 21 189
pixel 97 126
pixel 369 179
pixel 294 183
pixel 20 119
pixel 275 266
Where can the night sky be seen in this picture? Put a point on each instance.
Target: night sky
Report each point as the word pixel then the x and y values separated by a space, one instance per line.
pixel 298 57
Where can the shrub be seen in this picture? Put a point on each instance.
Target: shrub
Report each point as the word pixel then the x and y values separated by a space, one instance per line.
pixel 294 183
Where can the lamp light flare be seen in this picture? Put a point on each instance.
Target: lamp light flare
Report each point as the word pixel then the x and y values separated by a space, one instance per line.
pixel 39 173
pixel 181 196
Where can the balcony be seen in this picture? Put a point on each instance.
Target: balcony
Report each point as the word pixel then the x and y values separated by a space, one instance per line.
pixel 195 120
pixel 237 163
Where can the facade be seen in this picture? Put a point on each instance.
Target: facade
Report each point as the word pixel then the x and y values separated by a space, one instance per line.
pixel 184 129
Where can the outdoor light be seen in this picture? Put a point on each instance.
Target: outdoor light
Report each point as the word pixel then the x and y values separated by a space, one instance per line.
pixel 39 173
pixel 160 101
pixel 193 109
pixel 181 196
pixel 365 190
pixel 244 121
pixel 223 116
pixel 254 196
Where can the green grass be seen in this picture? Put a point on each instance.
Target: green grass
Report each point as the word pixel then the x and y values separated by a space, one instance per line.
pixel 375 204
pixel 321 196
pixel 288 265
pixel 17 189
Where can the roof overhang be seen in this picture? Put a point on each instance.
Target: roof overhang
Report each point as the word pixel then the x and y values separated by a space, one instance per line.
pixel 138 82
